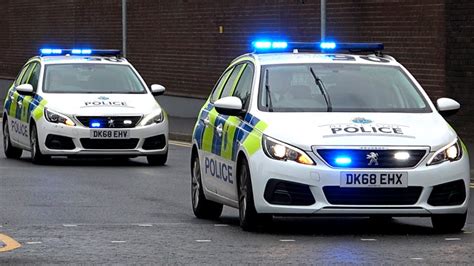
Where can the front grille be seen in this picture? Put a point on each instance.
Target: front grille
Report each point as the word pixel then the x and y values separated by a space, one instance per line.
pixel 365 158
pixel 372 196
pixel 56 142
pixel 109 144
pixel 281 192
pixel 448 194
pixel 110 121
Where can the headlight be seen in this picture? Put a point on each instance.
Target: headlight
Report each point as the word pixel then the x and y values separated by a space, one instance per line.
pixel 153 118
pixel 280 151
pixel 57 118
pixel 452 152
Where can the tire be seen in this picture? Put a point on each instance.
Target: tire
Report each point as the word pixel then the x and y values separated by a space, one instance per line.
pixel 157 160
pixel 248 216
pixel 202 208
pixel 10 151
pixel 36 156
pixel 449 223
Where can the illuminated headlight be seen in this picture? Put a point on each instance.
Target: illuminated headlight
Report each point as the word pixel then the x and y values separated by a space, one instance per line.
pixel 153 118
pixel 57 118
pixel 452 152
pixel 284 152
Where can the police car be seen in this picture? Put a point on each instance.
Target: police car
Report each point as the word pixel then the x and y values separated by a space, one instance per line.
pixel 72 102
pixel 326 129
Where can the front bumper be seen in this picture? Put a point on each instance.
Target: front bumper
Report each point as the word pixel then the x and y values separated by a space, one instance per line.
pixel 139 134
pixel 316 178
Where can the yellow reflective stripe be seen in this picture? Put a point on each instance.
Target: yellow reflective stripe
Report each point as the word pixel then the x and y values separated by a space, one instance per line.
pixel 39 110
pixel 208 135
pixel 253 142
pixel 230 128
pixel 25 107
pixel 13 104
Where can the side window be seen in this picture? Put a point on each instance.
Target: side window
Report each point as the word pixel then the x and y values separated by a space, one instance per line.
pixel 26 74
pixel 227 91
pixel 21 75
pixel 34 77
pixel 244 87
pixel 219 85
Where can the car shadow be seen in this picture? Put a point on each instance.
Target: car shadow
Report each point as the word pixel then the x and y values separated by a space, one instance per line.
pixel 91 161
pixel 337 226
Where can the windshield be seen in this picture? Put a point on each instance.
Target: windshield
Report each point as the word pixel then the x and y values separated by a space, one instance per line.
pixel 91 78
pixel 338 88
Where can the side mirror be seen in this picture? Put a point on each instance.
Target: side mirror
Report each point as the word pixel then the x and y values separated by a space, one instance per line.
pixel 25 89
pixel 447 106
pixel 229 106
pixel 157 89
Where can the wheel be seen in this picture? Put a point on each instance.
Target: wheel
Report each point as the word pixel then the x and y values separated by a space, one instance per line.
pixel 159 159
pixel 10 151
pixel 36 156
pixel 449 223
pixel 202 208
pixel 248 216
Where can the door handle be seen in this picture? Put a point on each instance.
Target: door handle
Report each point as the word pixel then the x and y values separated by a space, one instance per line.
pixel 206 121
pixel 219 130
pixel 20 103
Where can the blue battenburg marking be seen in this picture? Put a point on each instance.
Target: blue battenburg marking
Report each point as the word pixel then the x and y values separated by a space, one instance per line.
pixel 19 108
pixel 217 140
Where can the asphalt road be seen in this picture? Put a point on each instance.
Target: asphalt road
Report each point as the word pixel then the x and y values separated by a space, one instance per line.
pixel 98 211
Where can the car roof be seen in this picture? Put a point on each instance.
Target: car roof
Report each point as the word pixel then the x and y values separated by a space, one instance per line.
pixel 49 60
pixel 308 58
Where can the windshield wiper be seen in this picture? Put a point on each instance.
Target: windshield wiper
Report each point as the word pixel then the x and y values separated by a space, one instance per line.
pixel 321 86
pixel 269 104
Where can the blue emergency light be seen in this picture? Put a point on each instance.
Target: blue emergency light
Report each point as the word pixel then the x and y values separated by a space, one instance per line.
pixel 269 46
pixel 76 51
pixel 96 123
pixel 343 160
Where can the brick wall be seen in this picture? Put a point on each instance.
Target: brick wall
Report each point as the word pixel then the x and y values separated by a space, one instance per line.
pixel 179 44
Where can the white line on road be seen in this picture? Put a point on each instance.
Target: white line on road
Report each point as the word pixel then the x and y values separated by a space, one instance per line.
pixel 118 241
pixel 221 225
pixel 467 232
pixel 416 258
pixel 203 240
pixel 69 225
pixel 145 225
pixel 452 239
pixel 34 242
pixel 179 143
pixel 287 240
pixel 368 239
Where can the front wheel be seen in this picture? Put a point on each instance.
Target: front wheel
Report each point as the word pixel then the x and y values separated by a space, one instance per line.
pixel 36 156
pixel 449 223
pixel 248 216
pixel 202 208
pixel 157 160
pixel 10 151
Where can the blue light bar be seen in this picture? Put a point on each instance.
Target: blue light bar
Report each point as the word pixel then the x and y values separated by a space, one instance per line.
pixel 327 45
pixel 50 52
pixel 343 161
pixel 262 46
pixel 270 45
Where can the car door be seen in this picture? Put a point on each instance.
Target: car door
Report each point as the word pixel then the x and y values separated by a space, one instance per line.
pixel 29 102
pixel 214 170
pixel 18 130
pixel 234 127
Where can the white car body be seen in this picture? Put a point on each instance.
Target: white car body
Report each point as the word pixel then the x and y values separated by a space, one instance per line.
pixel 112 108
pixel 312 131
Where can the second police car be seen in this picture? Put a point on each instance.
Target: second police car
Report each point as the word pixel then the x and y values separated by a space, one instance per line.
pixel 83 102
pixel 288 132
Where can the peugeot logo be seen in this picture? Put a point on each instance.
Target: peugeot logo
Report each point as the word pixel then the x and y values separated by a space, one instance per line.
pixel 103 98
pixel 373 157
pixel 361 120
pixel 111 122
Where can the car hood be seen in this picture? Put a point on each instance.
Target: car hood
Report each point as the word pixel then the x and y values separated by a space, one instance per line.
pixel 305 130
pixel 101 105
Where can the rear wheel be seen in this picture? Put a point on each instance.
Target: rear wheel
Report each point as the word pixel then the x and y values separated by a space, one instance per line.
pixel 36 156
pixel 248 216
pixel 449 223
pixel 202 208
pixel 157 160
pixel 10 151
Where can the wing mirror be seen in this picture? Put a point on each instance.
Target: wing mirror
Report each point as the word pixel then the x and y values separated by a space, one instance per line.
pixel 447 106
pixel 25 89
pixel 157 89
pixel 230 105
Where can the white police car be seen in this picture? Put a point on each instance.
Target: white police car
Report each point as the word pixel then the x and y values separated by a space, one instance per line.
pixel 83 102
pixel 288 132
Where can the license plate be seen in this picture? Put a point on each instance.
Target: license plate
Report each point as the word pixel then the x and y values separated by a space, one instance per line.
pixel 110 134
pixel 374 179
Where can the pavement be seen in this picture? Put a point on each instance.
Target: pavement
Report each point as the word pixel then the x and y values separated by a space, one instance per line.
pixel 106 212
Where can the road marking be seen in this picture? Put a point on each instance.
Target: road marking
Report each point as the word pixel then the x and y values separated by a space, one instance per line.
pixel 10 243
pixel 203 240
pixel 452 239
pixel 34 242
pixel 180 143
pixel 70 225
pixel 416 258
pixel 118 241
pixel 368 239
pixel 467 232
pixel 145 225
pixel 287 240
pixel 221 225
